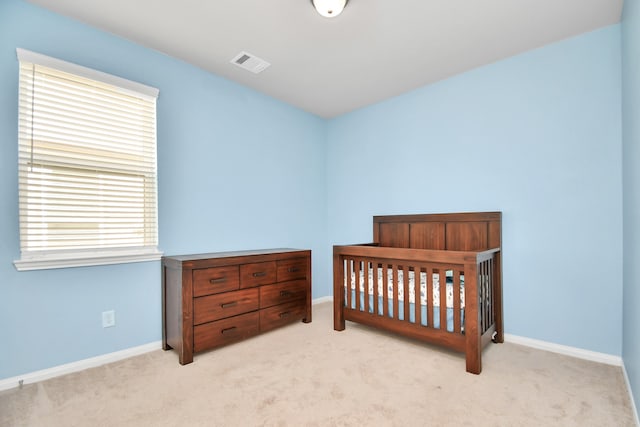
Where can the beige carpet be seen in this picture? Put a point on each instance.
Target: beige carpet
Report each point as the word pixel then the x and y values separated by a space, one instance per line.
pixel 309 375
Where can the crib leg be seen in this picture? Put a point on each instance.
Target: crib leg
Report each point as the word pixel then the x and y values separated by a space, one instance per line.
pixel 338 316
pixel 474 362
pixel 338 293
pixel 473 350
pixel 497 300
pixel 498 335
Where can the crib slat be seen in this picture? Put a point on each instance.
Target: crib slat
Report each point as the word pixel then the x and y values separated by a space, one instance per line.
pixel 490 292
pixel 417 292
pixel 443 299
pixel 365 288
pixel 358 268
pixel 345 282
pixel 429 294
pixel 490 284
pixel 456 301
pixel 405 279
pixel 395 292
pixel 376 292
pixel 487 295
pixel 385 290
pixel 350 263
pixel 481 296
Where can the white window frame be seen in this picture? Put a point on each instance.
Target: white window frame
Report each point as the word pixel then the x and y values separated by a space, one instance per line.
pixel 62 258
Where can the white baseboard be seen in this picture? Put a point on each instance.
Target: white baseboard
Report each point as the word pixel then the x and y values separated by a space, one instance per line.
pixel 322 299
pixel 633 402
pixel 579 353
pixel 80 365
pixel 92 362
pixel 56 371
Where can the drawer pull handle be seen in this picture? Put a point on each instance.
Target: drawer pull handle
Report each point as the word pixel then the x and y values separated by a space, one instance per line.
pixel 231 330
pixel 229 304
pixel 259 274
pixel 293 270
pixel 284 314
pixel 285 294
pixel 217 280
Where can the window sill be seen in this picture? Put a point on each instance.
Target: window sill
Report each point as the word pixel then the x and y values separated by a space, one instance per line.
pixel 85 259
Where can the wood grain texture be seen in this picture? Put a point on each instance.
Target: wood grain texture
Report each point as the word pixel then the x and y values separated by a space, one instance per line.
pixel 227 304
pixel 210 300
pixel 214 280
pixel 257 273
pixel 226 331
pixel 425 235
pixel 460 247
pixel 395 235
pixel 284 292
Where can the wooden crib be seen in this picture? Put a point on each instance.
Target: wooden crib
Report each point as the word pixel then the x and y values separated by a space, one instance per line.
pixel 432 277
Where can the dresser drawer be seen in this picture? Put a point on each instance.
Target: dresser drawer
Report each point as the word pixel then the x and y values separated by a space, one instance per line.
pixel 208 281
pixel 279 315
pixel 219 306
pixel 258 273
pixel 282 293
pixel 291 269
pixel 225 331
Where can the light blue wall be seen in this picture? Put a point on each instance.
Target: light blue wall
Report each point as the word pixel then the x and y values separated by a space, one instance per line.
pixel 631 168
pixel 237 170
pixel 536 136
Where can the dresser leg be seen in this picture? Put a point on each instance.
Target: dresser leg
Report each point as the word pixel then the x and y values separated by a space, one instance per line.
pixel 307 318
pixel 185 358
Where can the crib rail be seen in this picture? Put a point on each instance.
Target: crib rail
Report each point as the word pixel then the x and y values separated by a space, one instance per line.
pixel 450 298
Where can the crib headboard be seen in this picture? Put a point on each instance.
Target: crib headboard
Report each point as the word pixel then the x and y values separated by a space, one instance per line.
pixel 472 231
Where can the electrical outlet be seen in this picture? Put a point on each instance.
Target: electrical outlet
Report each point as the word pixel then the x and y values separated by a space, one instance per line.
pixel 108 319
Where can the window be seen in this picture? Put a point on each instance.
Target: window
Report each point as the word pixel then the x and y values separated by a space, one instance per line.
pixel 87 166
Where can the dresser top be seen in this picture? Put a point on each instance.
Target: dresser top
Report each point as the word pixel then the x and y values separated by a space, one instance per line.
pixel 214 255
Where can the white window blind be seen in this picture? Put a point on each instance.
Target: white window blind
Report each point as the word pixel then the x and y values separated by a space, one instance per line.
pixel 87 166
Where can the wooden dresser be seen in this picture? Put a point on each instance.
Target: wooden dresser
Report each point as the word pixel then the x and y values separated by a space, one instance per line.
pixel 210 300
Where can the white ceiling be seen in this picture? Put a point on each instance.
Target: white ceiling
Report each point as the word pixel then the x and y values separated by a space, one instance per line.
pixel 374 50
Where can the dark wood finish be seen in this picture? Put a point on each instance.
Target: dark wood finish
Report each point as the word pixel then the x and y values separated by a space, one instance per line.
pixel 434 336
pixel 395 235
pixel 279 315
pixel 214 299
pixel 281 293
pixel 467 244
pixel 257 273
pixel 291 269
pixel 219 306
pixel 226 331
pixel 427 235
pixel 462 231
pixel 338 291
pixel 467 236
pixel 213 280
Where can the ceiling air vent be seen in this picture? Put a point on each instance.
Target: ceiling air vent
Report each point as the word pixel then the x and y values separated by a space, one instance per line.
pixel 250 62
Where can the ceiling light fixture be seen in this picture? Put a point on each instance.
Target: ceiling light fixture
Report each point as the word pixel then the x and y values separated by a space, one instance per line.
pixel 329 8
